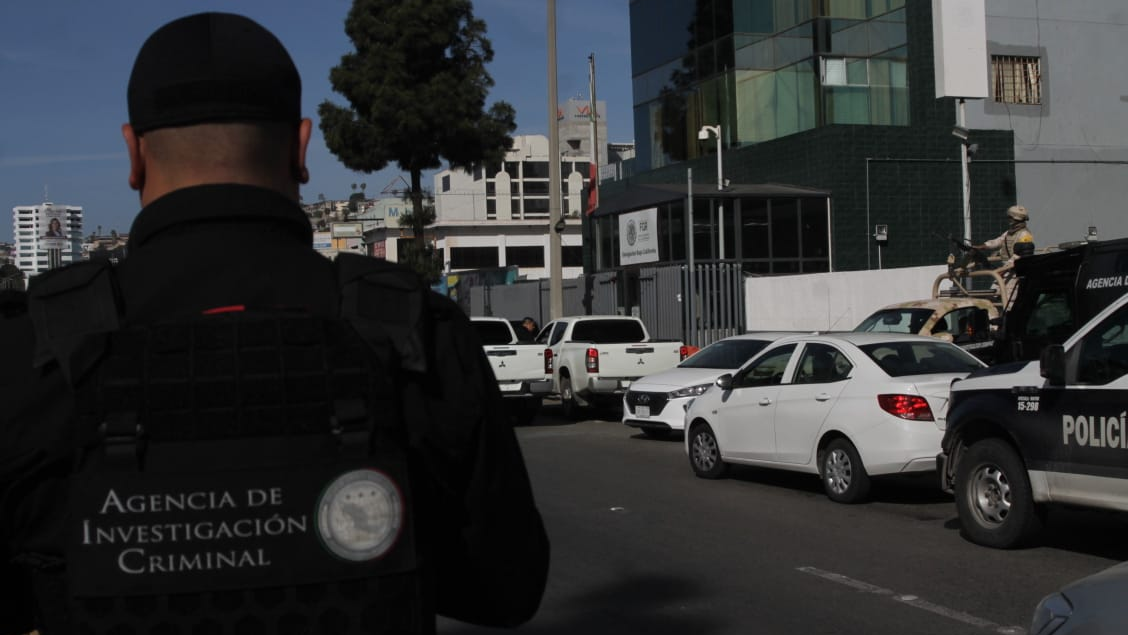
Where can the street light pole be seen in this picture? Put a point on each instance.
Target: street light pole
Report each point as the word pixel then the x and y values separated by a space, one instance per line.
pixel 703 134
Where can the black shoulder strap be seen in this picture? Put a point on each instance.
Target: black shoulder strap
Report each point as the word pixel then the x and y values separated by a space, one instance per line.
pixel 385 301
pixel 73 310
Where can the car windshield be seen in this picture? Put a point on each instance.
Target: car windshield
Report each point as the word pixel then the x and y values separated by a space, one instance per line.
pixel 725 354
pixel 493 333
pixel 900 359
pixel 895 321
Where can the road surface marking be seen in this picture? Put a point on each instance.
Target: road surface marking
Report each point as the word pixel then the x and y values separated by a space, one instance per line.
pixel 914 601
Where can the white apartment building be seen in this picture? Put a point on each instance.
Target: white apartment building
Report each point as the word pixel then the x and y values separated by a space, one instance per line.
pixel 498 216
pixel 46 236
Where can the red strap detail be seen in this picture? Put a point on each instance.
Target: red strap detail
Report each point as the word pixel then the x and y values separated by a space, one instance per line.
pixel 234 308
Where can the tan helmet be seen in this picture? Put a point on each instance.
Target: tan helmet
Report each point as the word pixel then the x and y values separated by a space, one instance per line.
pixel 1017 213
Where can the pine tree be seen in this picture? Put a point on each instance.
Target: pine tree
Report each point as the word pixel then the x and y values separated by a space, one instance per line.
pixel 416 86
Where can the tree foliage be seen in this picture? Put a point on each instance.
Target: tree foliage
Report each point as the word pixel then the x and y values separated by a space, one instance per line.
pixel 416 86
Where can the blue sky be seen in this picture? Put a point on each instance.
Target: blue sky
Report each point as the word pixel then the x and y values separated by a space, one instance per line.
pixel 64 65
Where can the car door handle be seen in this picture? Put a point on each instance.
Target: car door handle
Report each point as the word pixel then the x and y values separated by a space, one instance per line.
pixel 765 402
pixel 822 396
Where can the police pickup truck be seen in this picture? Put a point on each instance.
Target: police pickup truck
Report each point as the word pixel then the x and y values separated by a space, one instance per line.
pixel 1058 291
pixel 594 358
pixel 1023 435
pixel 518 367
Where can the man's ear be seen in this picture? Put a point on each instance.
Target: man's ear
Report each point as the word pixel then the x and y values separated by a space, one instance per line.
pixel 301 172
pixel 136 164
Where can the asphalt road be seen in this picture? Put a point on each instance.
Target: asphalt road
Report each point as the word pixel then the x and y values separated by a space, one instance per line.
pixel 641 545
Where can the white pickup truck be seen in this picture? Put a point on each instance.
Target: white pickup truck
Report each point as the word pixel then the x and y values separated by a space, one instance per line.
pixel 594 358
pixel 519 367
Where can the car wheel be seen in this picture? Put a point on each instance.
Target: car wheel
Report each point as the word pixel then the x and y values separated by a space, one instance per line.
pixel 993 496
pixel 705 453
pixel 843 475
pixel 568 403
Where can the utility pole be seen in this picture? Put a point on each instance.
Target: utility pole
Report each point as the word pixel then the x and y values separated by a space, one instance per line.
pixel 593 172
pixel 555 219
pixel 691 273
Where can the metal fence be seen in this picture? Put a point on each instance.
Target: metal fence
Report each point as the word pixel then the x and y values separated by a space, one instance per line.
pixel 660 300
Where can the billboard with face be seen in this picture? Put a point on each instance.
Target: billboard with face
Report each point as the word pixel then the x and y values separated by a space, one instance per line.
pixel 52 225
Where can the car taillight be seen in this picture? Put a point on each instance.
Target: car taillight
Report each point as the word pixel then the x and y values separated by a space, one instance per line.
pixel 592 360
pixel 548 361
pixel 687 351
pixel 911 407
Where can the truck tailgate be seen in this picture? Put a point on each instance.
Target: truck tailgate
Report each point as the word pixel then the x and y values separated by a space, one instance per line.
pixel 516 362
pixel 637 360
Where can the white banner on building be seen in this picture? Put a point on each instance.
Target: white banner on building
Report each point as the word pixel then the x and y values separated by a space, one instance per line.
pixel 53 226
pixel 638 236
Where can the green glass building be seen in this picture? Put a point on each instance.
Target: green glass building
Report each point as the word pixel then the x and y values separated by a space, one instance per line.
pixel 829 126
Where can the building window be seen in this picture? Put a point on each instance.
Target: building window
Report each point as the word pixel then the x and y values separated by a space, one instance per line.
pixel 473 257
pixel 525 256
pixel 572 256
pixel 446 182
pixel 536 206
pixel 1017 80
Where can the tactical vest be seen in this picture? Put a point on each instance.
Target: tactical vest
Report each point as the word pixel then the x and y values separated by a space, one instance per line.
pixel 243 471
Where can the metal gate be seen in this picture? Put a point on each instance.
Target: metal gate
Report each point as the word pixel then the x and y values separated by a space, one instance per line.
pixel 660 301
pixel 718 303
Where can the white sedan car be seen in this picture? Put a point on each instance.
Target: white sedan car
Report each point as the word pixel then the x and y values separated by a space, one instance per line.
pixel 656 403
pixel 845 406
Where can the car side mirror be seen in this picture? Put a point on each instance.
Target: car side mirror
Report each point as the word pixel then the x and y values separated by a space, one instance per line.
pixel 724 382
pixel 1052 364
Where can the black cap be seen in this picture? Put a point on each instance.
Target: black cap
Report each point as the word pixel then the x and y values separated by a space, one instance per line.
pixel 212 67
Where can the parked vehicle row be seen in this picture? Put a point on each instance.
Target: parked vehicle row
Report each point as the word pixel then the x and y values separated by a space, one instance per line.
pixel 843 406
pixel 588 360
pixel 518 367
pixel 594 359
pixel 1007 440
pixel 656 403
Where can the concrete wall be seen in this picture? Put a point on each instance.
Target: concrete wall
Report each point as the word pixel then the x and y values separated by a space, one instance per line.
pixel 835 301
pixel 1083 115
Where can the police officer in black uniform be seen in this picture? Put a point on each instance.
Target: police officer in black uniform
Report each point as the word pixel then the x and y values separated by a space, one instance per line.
pixel 190 440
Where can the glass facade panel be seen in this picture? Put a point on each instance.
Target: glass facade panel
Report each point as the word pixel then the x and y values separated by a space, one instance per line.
pixel 659 31
pixel 536 169
pixel 847 104
pixel 754 237
pixel 671 227
pixel 536 206
pixel 536 187
pixel 785 228
pixel 703 246
pixel 726 224
pixel 683 53
pixel 772 105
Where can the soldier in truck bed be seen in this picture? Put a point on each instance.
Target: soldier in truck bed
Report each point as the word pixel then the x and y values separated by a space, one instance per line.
pixel 274 441
pixel 1003 247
